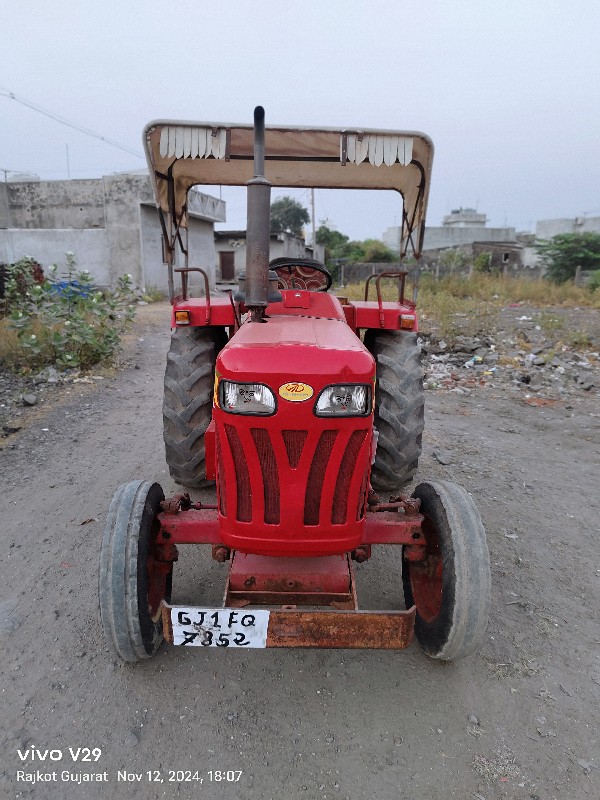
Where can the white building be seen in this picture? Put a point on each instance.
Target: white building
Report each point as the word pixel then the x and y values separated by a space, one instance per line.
pixel 461 227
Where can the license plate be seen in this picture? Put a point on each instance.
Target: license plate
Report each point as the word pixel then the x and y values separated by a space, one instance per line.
pixel 219 627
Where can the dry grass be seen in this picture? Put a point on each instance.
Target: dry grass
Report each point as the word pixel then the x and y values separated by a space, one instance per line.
pixel 512 290
pixel 486 288
pixel 10 349
pixel 470 305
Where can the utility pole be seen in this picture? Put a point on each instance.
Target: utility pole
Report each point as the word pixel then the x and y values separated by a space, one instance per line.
pixel 314 230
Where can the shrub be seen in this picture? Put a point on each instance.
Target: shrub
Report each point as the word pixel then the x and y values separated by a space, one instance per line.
pixel 482 264
pixel 566 252
pixel 66 320
pixel 17 278
pixel 594 282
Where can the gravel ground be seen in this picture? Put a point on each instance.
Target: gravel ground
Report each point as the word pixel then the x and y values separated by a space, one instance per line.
pixel 517 720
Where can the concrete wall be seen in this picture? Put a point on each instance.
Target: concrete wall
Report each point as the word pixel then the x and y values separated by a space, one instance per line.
pixel 110 224
pixel 55 204
pixel 547 228
pixel 122 213
pixel 508 258
pixel 201 251
pixel 155 272
pixel 449 236
pixel 49 247
pixel 440 236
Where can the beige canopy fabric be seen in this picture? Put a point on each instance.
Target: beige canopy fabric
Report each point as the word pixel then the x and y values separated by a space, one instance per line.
pixel 184 154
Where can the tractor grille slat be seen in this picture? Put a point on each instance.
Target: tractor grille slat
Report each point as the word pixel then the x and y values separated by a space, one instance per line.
pixel 362 499
pixel 294 444
pixel 270 474
pixel 316 476
pixel 221 477
pixel 261 462
pixel 342 486
pixel 242 476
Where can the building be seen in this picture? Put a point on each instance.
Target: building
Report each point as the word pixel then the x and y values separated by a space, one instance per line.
pixel 230 247
pixel 547 228
pixel 110 224
pixel 463 226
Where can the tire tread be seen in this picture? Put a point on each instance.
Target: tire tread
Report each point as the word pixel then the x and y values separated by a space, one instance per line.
pixel 399 407
pixel 187 403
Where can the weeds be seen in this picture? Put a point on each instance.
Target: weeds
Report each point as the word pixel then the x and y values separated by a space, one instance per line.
pixel 580 340
pixel 153 295
pixel 65 321
pixel 470 305
pixel 550 324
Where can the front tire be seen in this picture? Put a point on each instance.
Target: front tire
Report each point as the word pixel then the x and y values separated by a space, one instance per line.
pixel 129 590
pixel 187 404
pixel 452 587
pixel 399 407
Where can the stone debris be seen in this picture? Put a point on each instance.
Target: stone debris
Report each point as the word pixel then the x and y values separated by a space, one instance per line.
pixel 442 456
pixel 9 621
pixel 20 392
pixel 521 358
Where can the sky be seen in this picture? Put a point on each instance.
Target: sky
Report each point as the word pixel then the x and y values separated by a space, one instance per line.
pixel 508 91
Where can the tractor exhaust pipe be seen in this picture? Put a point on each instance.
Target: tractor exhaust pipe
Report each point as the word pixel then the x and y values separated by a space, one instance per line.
pixel 258 226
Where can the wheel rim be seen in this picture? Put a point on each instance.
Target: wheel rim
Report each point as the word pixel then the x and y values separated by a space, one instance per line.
pixel 426 577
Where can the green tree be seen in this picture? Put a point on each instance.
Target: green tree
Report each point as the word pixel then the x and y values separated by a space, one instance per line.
pixel 288 214
pixel 562 254
pixel 338 245
pixel 376 251
pixel 335 243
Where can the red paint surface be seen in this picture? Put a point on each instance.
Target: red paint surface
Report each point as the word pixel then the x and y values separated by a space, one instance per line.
pixel 317 352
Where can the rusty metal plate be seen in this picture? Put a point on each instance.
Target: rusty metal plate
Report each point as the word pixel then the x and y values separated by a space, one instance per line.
pixel 385 630
pixel 382 630
pixel 325 574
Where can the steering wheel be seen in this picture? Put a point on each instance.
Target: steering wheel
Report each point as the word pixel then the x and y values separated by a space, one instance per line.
pixel 301 273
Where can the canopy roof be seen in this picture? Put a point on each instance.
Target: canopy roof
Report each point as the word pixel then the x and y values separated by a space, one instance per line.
pixel 184 154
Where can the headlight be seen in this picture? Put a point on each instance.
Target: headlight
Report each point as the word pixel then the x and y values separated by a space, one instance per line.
pixel 344 400
pixel 246 398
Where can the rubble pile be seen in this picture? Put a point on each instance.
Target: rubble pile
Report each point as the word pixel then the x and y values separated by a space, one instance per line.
pixel 523 359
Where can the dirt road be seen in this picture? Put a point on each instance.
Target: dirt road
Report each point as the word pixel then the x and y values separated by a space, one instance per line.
pixel 518 720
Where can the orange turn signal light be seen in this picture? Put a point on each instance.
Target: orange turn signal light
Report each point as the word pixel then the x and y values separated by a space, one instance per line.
pixel 182 318
pixel 407 321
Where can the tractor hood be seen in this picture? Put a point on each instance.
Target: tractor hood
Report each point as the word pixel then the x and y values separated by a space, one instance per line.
pixel 306 349
pixel 184 154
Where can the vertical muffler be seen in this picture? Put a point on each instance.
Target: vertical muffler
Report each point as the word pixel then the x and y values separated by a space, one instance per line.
pixel 258 226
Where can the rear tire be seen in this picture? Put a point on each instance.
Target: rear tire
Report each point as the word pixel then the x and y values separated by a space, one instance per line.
pixel 188 397
pixel 452 588
pixel 399 407
pixel 133 629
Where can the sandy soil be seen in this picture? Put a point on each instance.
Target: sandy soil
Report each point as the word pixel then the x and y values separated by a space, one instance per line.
pixel 517 720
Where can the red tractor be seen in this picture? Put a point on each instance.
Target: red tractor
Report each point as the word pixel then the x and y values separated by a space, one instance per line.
pixel 272 394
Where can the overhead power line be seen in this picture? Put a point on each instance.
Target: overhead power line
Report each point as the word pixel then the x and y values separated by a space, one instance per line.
pixel 63 121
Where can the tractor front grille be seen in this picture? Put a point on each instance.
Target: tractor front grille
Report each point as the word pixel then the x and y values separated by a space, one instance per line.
pixel 316 476
pixel 242 475
pixel 267 463
pixel 270 474
pixel 294 444
pixel 346 471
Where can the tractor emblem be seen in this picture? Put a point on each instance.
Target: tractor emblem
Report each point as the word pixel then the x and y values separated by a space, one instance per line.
pixel 295 391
